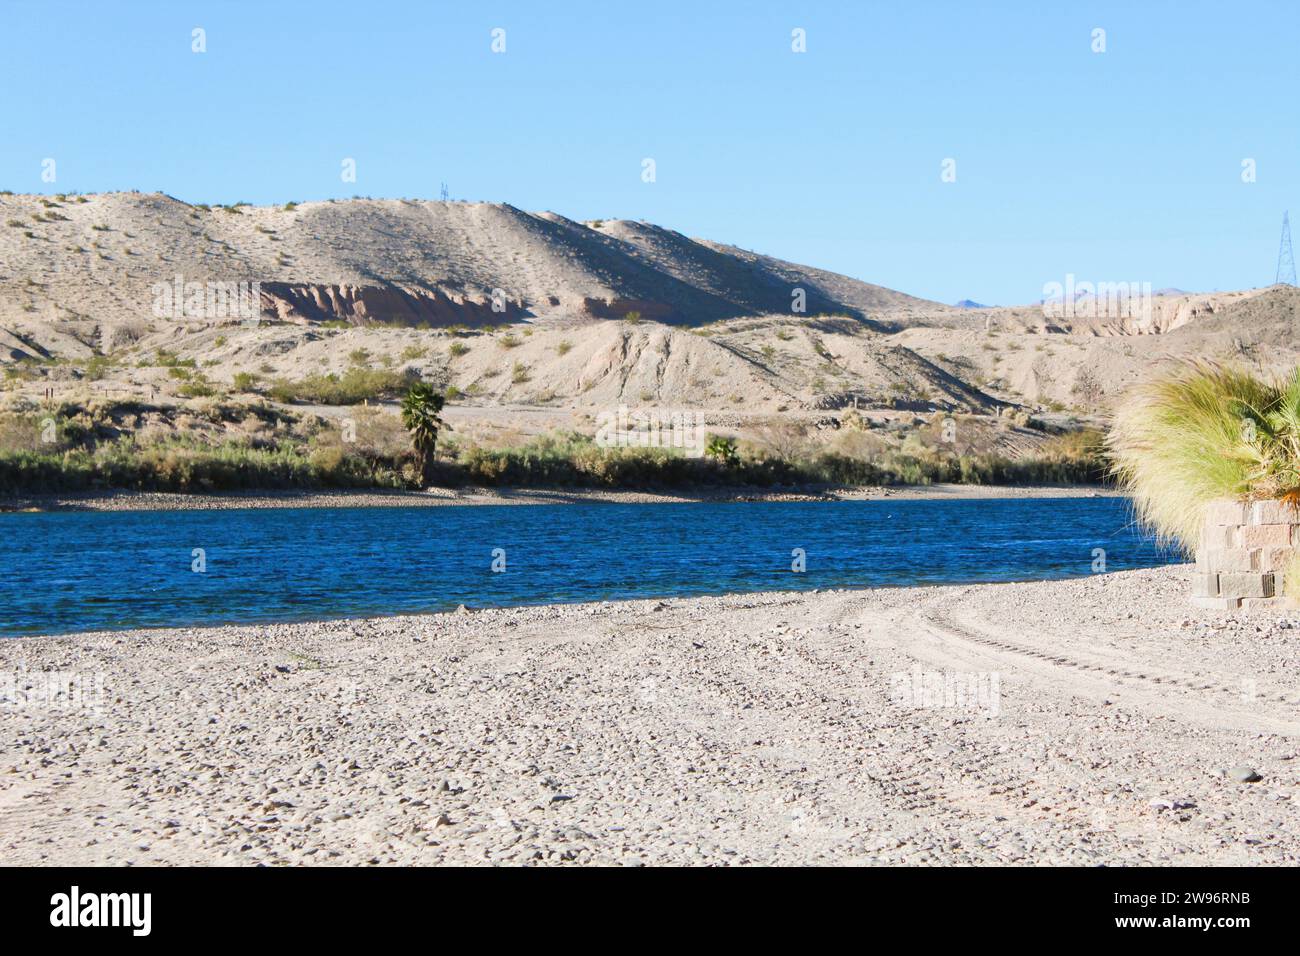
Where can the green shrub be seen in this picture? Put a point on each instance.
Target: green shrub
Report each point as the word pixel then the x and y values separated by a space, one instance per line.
pixel 722 449
pixel 1201 433
pixel 356 385
pixel 98 367
pixel 197 388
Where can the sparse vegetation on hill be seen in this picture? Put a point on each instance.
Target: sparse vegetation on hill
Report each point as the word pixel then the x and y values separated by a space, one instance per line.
pixel 626 315
pixel 353 387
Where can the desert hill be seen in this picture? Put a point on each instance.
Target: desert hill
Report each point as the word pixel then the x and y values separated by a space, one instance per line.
pixel 534 320
pixel 393 261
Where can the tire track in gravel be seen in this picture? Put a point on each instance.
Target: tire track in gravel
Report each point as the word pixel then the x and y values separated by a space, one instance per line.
pixel 755 728
pixel 815 714
pixel 953 766
pixel 958 635
pixel 927 772
pixel 972 774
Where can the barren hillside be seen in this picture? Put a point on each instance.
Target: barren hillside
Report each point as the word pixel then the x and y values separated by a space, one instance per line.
pixel 534 321
pixel 391 261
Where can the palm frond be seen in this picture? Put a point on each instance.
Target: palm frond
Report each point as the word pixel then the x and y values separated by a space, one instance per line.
pixel 1200 433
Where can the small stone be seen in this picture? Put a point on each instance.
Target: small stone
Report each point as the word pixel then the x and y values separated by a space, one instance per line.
pixel 1171 803
pixel 1244 774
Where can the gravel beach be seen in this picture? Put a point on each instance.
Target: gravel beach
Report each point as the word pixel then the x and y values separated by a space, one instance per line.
pixel 1094 721
pixel 436 497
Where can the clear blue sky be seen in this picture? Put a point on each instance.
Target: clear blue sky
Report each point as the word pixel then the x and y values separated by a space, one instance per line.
pixel 1120 166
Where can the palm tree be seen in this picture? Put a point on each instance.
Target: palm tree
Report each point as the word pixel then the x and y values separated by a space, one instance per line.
pixel 420 410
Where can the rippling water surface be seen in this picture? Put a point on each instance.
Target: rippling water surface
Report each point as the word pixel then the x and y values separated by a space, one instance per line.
pixel 97 570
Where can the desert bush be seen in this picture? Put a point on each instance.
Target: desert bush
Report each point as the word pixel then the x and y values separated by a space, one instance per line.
pixel 722 449
pixel 198 387
pixel 1202 432
pixel 98 367
pixel 356 385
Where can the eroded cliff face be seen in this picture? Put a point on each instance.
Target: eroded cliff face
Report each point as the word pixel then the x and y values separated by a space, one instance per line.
pixel 387 304
pixel 1159 314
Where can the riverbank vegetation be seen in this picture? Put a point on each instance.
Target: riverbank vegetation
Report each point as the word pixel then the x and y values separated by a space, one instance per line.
pixel 210 445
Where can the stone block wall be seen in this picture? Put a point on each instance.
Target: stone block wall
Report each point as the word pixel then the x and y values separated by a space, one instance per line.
pixel 1245 549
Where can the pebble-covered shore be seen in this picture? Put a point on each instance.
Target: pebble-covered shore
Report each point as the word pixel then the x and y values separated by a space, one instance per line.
pixel 1095 721
pixel 434 497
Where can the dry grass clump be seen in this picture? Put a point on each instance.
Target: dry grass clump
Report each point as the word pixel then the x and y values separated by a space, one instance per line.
pixel 1204 432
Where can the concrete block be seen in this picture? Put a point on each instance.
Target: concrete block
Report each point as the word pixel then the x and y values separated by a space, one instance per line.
pixel 1225 512
pixel 1273 512
pixel 1205 585
pixel 1264 604
pixel 1266 536
pixel 1275 559
pixel 1244 584
pixel 1217 603
pixel 1233 559
pixel 1220 537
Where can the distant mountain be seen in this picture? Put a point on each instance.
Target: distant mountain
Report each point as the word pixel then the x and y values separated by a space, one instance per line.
pixel 970 304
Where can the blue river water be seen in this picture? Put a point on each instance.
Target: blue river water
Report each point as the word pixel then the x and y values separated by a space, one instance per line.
pixel 78 571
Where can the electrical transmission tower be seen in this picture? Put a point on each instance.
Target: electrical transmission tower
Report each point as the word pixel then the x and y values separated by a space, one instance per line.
pixel 444 193
pixel 1285 258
